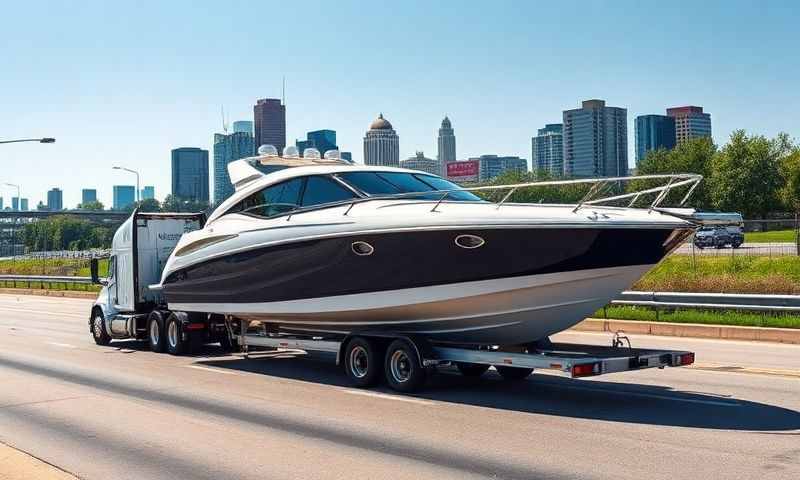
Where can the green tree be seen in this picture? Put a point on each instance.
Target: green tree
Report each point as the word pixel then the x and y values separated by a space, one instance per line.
pixel 149 205
pixel 693 156
pixel 746 175
pixel 94 206
pixel 176 204
pixel 790 170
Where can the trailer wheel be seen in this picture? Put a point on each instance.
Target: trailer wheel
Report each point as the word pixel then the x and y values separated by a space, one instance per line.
pixel 471 369
pixel 513 373
pixel 404 372
pixel 362 362
pixel 99 333
pixel 174 334
pixel 156 335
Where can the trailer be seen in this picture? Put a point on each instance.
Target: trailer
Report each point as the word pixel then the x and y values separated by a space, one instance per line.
pixel 128 309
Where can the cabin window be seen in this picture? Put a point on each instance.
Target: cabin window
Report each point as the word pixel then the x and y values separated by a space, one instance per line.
pixel 273 200
pixel 392 183
pixel 321 190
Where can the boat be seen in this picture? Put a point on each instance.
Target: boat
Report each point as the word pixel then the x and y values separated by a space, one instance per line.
pixel 327 247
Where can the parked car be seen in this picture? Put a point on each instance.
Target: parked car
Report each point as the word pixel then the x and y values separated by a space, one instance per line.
pixel 737 235
pixel 712 236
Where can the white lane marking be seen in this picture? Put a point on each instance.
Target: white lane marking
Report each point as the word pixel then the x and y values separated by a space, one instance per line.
pixel 207 369
pixel 731 403
pixel 63 345
pixel 386 396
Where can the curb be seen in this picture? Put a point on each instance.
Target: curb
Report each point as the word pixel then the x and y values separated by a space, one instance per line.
pixel 49 293
pixel 692 330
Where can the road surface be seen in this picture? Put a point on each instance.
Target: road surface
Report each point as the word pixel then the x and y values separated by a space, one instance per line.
pixel 753 249
pixel 123 412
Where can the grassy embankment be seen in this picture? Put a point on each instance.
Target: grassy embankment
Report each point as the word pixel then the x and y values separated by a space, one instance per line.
pixel 777 236
pixel 54 267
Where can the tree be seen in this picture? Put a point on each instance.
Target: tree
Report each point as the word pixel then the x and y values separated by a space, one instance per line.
pixel 176 204
pixel 149 205
pixel 790 170
pixel 746 175
pixel 94 206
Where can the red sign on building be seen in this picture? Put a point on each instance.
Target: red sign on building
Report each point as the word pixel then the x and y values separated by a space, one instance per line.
pixel 466 171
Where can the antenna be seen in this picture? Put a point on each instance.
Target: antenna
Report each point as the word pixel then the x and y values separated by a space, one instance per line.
pixel 224 123
pixel 283 91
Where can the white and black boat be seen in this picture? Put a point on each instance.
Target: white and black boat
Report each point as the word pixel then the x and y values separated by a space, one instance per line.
pixel 334 248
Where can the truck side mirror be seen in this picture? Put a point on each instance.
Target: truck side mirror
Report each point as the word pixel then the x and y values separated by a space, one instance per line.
pixel 94 268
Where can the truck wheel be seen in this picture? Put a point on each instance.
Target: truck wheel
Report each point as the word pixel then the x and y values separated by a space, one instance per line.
pixel 362 362
pixel 99 333
pixel 174 335
pixel 471 369
pixel 404 372
pixel 513 373
pixel 156 336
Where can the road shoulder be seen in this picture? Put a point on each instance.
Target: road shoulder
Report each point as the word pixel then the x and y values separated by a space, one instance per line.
pixel 18 465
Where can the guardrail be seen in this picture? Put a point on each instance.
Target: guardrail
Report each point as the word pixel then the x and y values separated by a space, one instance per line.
pixel 718 301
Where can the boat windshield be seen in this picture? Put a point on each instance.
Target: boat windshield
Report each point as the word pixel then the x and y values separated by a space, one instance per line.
pixel 392 183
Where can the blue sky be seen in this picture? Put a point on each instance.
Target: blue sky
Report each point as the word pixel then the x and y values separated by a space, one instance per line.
pixel 125 82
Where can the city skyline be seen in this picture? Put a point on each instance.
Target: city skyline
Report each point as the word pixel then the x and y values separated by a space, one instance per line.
pixel 148 88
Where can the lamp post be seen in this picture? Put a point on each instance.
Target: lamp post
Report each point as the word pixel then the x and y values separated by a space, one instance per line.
pixel 40 140
pixel 137 179
pixel 14 228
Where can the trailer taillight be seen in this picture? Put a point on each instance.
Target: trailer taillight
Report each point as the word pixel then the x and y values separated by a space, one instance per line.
pixel 586 369
pixel 685 359
pixel 195 326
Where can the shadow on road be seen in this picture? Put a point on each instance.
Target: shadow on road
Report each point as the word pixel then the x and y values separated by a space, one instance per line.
pixel 551 395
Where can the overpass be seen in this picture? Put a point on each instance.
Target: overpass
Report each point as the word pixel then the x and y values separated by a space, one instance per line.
pixel 94 215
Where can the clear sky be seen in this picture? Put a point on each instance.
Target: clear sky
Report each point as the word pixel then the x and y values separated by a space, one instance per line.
pixel 125 82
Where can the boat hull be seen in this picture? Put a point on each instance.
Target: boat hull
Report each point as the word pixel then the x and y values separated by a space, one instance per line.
pixel 520 285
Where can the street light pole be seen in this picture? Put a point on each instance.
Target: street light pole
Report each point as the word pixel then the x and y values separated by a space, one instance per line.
pixel 137 179
pixel 40 140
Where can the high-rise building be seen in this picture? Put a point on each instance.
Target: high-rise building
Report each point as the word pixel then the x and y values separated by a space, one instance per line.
pixel 1 203
pixel 243 126
pixel 690 122
pixel 148 193
pixel 653 132
pixel 88 195
pixel 490 166
pixel 547 149
pixel 124 196
pixel 55 200
pixel 23 204
pixel 595 140
pixel 446 145
pixel 322 140
pixel 270 123
pixel 422 163
pixel 228 148
pixel 14 203
pixel 381 144
pixel 346 156
pixel 190 174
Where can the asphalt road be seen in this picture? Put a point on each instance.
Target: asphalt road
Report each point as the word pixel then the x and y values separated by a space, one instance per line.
pixel 755 249
pixel 123 412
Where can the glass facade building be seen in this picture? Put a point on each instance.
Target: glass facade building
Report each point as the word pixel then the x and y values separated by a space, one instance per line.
pixel 547 149
pixel 190 174
pixel 228 148
pixel 270 123
pixel 55 199
pixel 124 196
pixel 595 140
pixel 148 192
pixel 243 126
pixel 653 132
pixel 491 166
pixel 322 140
pixel 690 122
pixel 88 195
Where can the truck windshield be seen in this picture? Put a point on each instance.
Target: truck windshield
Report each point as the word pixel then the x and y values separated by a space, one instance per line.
pixel 392 183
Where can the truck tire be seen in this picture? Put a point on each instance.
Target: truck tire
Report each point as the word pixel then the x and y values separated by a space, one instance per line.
pixel 99 333
pixel 362 362
pixel 156 335
pixel 471 369
pixel 404 372
pixel 513 373
pixel 174 335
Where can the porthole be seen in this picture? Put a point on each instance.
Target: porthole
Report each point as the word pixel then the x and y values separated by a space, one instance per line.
pixel 469 241
pixel 362 249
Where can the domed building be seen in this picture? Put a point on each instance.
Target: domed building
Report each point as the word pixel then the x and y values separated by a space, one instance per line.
pixel 381 144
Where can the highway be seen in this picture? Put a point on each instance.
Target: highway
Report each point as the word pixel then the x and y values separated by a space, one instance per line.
pixel 123 412
pixel 752 249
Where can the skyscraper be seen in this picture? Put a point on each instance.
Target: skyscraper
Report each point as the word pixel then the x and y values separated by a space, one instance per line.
pixel 23 204
pixel 148 192
pixel 446 144
pixel 653 132
pixel 270 123
pixel 322 140
pixel 190 174
pixel 88 195
pixel 595 140
pixel 490 166
pixel 228 148
pixel 690 122
pixel 422 163
pixel 547 149
pixel 124 196
pixel 243 126
pixel 55 199
pixel 346 156
pixel 381 144
pixel 15 203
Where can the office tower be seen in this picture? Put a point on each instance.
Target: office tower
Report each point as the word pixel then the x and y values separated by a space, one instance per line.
pixel 547 149
pixel 322 140
pixel 690 122
pixel 381 144
pixel 124 196
pixel 422 163
pixel 88 195
pixel 446 145
pixel 14 203
pixel 595 140
pixel 148 192
pixel 1 203
pixel 55 199
pixel 653 132
pixel 23 204
pixel 190 174
pixel 228 148
pixel 490 166
pixel 243 126
pixel 346 156
pixel 270 123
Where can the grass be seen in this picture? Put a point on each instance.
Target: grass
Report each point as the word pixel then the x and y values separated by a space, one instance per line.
pixel 738 274
pixel 775 236
pixel 52 266
pixel 78 287
pixel 711 317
